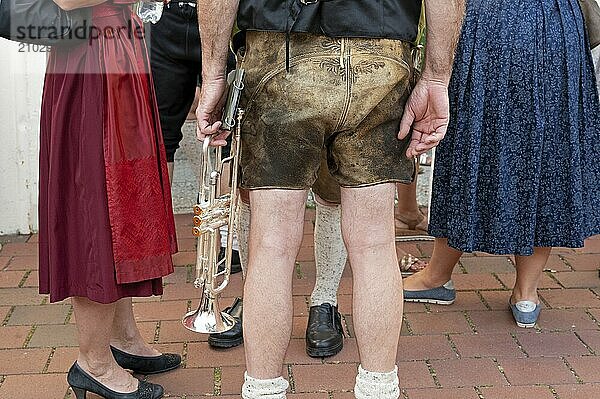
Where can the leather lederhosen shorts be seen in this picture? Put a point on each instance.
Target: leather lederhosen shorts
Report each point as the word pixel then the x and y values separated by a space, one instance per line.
pixel 337 108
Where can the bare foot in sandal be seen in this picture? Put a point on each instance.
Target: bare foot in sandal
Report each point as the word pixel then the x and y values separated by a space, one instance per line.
pixel 410 223
pixel 410 264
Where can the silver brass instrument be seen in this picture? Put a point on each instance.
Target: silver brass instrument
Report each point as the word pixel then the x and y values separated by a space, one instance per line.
pixel 212 212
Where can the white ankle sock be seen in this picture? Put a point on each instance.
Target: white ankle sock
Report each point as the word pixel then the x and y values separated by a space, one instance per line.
pixel 330 254
pixel 243 231
pixel 254 388
pixel 372 385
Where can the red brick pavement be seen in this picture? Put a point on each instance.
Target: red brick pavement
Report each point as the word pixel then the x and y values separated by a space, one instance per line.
pixel 470 350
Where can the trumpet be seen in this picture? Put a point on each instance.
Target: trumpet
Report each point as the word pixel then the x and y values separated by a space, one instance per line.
pixel 210 213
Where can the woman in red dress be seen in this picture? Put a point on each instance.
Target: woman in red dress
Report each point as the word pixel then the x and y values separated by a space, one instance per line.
pixel 106 224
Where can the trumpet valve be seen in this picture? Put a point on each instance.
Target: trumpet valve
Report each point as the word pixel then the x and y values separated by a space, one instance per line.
pixel 198 210
pixel 197 220
pixel 196 231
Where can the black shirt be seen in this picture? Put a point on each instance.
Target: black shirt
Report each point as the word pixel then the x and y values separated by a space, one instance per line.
pixel 391 19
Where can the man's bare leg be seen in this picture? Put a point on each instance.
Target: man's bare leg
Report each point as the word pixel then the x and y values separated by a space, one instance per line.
pixel 368 230
pixel 275 238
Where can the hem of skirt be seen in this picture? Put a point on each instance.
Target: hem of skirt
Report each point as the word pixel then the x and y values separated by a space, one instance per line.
pixel 104 301
pixel 521 251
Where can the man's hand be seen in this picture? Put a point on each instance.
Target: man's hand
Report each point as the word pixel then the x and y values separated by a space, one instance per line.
pixel 210 107
pixel 427 112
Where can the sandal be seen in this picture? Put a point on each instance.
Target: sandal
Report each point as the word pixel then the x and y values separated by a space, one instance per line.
pixel 415 225
pixel 410 265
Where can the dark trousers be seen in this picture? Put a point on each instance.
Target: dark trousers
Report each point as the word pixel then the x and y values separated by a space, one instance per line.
pixel 176 60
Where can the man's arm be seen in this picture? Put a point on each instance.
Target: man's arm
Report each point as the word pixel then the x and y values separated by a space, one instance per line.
pixel 216 19
pixel 427 110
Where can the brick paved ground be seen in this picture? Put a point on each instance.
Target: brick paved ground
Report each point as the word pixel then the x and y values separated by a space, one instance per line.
pixel 468 350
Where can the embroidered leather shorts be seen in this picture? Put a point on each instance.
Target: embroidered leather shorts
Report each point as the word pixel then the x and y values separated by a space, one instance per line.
pixel 338 106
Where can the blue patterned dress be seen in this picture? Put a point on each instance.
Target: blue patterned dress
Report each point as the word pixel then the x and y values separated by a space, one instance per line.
pixel 520 166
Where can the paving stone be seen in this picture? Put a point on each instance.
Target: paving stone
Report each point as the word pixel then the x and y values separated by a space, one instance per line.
pixel 469 282
pixel 20 296
pixel 13 337
pixel 47 386
pixel 579 279
pixel 590 338
pixel 551 344
pixel 296 353
pixel 23 361
pixel 488 264
pixel 571 298
pixel 40 314
pixel 583 261
pixel 33 280
pixel 424 347
pixel 515 392
pixel 19 249
pixel 545 282
pixel 438 323
pixel 154 311
pixel 11 278
pixel 535 371
pixel 556 262
pixel 585 391
pixel 324 377
pixel 445 393
pixel 586 367
pixel 184 258
pixel 465 300
pixel 25 262
pixel 53 335
pixel 486 345
pixel 62 359
pixel 349 354
pixel 299 325
pixel 200 354
pixel 186 381
pixel 4 260
pixel 173 331
pixel 566 319
pixel 467 372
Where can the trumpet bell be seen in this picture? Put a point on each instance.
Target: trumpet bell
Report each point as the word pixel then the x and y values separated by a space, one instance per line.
pixel 208 318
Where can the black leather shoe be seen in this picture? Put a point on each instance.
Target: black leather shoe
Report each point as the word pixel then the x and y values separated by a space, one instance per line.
pixel 236 264
pixel 235 336
pixel 324 333
pixel 82 383
pixel 146 364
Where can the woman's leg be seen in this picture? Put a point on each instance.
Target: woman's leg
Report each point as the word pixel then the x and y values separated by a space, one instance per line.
pixel 94 326
pixel 439 270
pixel 529 272
pixel 125 334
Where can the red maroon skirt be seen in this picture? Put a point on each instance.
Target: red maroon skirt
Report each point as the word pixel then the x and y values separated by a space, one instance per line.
pixel 106 223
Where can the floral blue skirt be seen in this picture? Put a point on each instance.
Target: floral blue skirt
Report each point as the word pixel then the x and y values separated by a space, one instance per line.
pixel 520 166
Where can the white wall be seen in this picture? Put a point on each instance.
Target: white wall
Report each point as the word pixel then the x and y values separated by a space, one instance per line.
pixel 21 80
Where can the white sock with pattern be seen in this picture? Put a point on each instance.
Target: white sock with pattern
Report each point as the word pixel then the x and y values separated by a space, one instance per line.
pixel 243 231
pixel 372 385
pixel 330 254
pixel 254 388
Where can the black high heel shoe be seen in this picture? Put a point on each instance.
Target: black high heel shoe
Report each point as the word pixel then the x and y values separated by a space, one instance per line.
pixel 82 383
pixel 146 364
